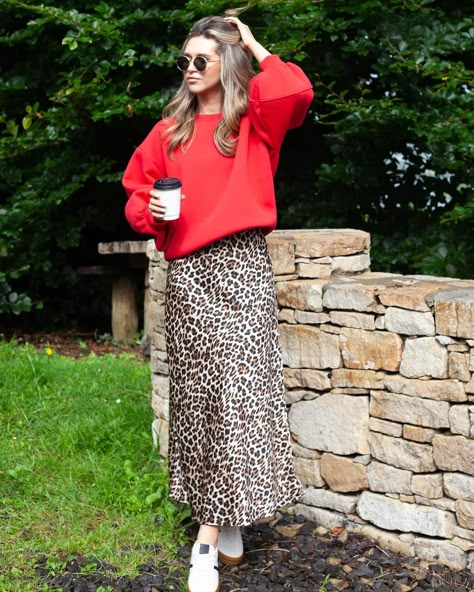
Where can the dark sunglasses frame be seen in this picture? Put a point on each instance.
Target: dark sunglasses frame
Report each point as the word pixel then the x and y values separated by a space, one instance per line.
pixel 200 63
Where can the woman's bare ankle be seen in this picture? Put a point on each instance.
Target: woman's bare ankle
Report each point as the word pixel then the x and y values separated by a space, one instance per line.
pixel 208 534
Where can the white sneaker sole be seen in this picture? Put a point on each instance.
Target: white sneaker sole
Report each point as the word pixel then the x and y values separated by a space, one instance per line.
pixel 217 589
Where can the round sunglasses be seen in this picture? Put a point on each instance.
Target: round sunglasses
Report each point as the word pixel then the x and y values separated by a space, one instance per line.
pixel 200 63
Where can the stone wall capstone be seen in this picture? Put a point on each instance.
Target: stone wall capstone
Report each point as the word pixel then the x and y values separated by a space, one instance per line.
pixel 379 375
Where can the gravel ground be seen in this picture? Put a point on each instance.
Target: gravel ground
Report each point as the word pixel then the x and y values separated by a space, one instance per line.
pixel 285 554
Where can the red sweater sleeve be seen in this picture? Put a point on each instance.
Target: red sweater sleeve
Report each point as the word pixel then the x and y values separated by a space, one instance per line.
pixel 279 97
pixel 145 166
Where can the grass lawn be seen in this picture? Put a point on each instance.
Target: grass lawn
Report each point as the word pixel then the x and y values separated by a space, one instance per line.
pixel 78 475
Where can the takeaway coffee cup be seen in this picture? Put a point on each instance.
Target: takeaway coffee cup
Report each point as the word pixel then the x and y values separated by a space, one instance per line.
pixel 169 192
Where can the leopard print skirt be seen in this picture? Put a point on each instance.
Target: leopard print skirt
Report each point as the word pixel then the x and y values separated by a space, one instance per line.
pixel 229 456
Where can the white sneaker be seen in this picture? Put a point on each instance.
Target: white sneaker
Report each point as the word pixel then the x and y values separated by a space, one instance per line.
pixel 203 570
pixel 230 545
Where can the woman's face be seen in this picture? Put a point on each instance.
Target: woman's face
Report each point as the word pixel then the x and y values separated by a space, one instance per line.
pixel 208 80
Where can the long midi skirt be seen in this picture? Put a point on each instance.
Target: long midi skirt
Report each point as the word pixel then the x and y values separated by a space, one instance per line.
pixel 229 452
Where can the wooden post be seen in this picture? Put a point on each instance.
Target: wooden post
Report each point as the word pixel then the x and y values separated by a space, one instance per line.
pixel 124 310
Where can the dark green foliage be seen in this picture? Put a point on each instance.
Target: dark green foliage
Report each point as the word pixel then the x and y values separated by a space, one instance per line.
pixel 386 147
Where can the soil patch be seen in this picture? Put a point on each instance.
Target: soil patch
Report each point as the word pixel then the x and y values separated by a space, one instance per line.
pixel 285 554
pixel 76 344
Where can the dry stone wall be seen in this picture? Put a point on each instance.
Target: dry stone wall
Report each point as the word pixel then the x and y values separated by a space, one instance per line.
pixel 379 374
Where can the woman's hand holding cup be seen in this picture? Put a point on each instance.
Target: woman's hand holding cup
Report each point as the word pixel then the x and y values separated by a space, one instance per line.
pixel 156 207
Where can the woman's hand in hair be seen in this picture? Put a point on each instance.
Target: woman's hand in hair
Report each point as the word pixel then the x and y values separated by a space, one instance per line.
pixel 248 40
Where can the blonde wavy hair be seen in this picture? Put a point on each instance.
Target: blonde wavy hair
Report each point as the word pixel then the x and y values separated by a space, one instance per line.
pixel 236 73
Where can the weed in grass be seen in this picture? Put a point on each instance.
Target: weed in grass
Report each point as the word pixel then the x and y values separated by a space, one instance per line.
pixel 78 475
pixel 55 566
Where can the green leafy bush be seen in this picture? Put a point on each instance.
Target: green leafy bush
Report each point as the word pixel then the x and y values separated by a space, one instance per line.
pixel 387 146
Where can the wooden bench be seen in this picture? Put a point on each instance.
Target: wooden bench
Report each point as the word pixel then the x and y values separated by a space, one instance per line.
pixel 130 263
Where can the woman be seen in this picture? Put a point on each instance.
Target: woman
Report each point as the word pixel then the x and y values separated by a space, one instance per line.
pixel 230 456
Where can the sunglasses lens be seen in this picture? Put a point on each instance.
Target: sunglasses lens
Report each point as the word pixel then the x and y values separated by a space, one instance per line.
pixel 200 63
pixel 183 63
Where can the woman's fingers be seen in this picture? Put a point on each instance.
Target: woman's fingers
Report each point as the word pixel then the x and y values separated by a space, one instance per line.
pixel 244 30
pixel 156 207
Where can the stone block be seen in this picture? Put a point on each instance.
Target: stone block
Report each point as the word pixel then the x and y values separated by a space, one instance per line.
pixel 387 479
pixel 157 315
pixel 309 347
pixel 350 297
pixel 303 452
pixel 158 341
pixel 324 498
pixel 370 350
pixel 443 503
pixel 296 395
pixel 401 453
pixel 311 318
pixel 363 459
pixel 413 410
pixel 282 255
pixel 161 385
pixel 385 427
pixel 327 518
pixel 311 269
pixel 330 243
pixel 287 315
pixel 300 377
pixel 430 485
pixel 442 552
pixel 418 434
pixel 463 533
pixel 332 423
pixel 343 474
pixel 459 347
pixel 459 486
pixel 161 407
pixel 424 357
pixel 454 453
pixel 354 320
pixel 380 322
pixel 331 329
pixel 454 313
pixel 461 420
pixel 351 263
pixel 462 543
pixel 465 514
pixel 469 387
pixel 392 514
pixel 409 322
pixel 386 539
pixel 286 278
pixel 439 390
pixel 160 434
pixel 353 378
pixel 300 294
pixel 458 366
pixel 157 279
pixel 411 297
pixel 308 471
